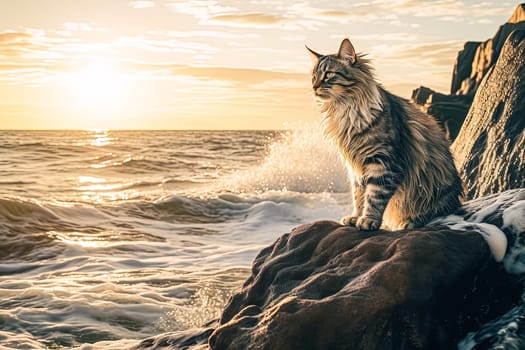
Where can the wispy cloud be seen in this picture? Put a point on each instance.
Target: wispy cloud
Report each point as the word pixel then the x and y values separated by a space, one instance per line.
pixel 32 56
pixel 426 55
pixel 234 76
pixel 387 37
pixel 209 12
pixel 162 44
pixel 249 18
pixel 215 34
pixel 7 37
pixel 141 4
pixel 83 27
pixel 444 10
pixel 395 12
pixel 202 9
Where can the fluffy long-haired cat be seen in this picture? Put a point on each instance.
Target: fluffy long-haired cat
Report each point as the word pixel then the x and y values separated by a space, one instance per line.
pixel 401 168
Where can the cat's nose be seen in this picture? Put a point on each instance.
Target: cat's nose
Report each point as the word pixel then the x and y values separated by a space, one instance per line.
pixel 316 84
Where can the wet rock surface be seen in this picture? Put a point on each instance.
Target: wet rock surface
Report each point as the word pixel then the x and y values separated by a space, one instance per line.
pixel 324 286
pixel 327 286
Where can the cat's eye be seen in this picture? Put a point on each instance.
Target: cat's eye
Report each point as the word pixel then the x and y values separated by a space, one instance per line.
pixel 329 75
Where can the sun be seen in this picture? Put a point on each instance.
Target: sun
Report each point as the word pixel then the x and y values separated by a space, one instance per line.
pixel 99 93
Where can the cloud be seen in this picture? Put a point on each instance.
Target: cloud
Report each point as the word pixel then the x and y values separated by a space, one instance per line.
pixel 15 44
pixel 426 55
pixel 83 27
pixel 162 44
pixel 400 36
pixel 240 76
pixel 210 34
pixel 25 66
pixel 9 37
pixel 346 17
pixel 396 12
pixel 443 10
pixel 209 12
pixel 202 9
pixel 141 4
pixel 32 56
pixel 256 18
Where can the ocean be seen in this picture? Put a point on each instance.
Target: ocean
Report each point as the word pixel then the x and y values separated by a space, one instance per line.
pixel 109 237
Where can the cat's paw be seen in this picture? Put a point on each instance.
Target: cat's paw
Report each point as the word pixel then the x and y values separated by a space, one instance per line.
pixel 366 223
pixel 406 225
pixel 349 220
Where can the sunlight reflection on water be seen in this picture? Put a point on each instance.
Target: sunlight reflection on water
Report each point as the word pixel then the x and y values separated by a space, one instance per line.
pixel 142 231
pixel 100 138
pixel 79 239
pixel 90 179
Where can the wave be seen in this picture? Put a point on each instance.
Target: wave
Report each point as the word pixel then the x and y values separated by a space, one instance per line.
pixel 35 230
pixel 251 209
pixel 302 160
pixel 18 209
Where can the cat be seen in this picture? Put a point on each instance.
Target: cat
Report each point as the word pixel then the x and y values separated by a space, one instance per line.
pixel 400 165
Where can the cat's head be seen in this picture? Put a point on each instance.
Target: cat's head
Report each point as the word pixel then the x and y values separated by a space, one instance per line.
pixel 338 77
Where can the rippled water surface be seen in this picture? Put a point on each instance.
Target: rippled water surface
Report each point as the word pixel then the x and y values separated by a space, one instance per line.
pixel 108 237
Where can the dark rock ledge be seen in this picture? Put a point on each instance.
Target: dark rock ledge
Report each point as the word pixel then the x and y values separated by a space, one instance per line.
pixel 327 286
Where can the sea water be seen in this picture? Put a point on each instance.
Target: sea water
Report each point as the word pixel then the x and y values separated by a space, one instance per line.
pixel 108 237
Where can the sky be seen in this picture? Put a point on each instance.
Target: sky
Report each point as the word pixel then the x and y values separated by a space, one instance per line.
pixel 206 64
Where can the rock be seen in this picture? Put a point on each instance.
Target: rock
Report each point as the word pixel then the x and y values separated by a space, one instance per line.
pixel 506 210
pixel 325 286
pixel 450 111
pixel 463 65
pixel 518 15
pixel 477 58
pixel 471 66
pixel 330 287
pixel 490 148
pixel 194 339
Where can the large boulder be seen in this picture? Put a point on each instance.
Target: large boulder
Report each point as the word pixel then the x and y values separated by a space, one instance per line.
pixel 327 286
pixel 490 148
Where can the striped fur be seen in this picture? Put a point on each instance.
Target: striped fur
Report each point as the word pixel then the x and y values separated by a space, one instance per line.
pixel 401 168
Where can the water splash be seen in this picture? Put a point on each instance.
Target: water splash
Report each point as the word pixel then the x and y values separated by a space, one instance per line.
pixel 203 306
pixel 302 160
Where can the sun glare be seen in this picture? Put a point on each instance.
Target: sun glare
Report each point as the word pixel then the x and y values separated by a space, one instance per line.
pixel 99 92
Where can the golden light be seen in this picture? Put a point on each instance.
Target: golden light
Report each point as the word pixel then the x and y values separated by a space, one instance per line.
pixel 99 94
pixel 79 239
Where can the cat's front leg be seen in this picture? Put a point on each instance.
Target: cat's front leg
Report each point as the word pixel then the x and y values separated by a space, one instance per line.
pixel 379 190
pixel 358 195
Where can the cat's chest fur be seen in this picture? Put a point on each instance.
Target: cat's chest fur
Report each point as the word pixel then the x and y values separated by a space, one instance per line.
pixel 355 132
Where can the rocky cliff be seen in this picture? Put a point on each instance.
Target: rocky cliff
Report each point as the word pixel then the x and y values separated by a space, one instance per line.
pixel 471 66
pixel 490 148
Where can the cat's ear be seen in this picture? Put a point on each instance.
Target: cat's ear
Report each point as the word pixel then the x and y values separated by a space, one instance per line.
pixel 347 51
pixel 315 56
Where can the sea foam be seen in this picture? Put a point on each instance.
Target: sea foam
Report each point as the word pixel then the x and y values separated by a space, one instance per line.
pixel 302 160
